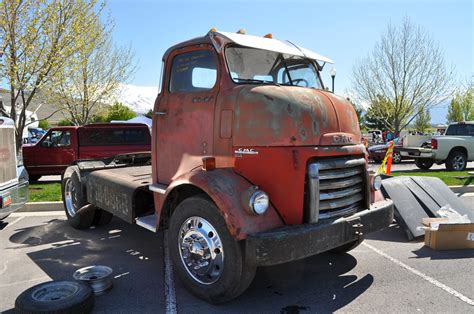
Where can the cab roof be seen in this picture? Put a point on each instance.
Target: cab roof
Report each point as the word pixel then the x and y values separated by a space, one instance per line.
pixel 250 41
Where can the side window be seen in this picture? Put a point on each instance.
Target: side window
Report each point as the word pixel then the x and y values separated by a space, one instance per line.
pixel 462 129
pixel 470 129
pixel 193 71
pixel 57 139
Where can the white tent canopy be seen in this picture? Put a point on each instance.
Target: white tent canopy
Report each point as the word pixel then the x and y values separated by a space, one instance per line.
pixel 139 119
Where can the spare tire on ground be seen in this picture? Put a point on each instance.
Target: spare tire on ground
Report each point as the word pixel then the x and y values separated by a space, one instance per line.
pixel 56 297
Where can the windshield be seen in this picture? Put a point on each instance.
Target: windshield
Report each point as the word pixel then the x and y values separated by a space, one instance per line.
pixel 250 65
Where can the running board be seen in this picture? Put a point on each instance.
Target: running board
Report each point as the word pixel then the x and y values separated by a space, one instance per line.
pixel 147 222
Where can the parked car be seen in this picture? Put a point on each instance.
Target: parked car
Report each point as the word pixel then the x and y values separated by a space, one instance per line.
pixel 377 152
pixel 60 147
pixel 454 149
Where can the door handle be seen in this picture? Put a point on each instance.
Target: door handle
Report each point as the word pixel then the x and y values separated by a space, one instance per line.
pixel 160 113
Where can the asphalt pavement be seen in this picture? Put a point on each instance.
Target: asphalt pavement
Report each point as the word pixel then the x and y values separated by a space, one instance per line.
pixel 387 273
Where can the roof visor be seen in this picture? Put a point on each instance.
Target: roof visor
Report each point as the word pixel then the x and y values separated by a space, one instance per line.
pixel 269 44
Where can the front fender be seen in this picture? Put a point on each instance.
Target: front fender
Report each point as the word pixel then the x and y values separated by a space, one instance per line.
pixel 226 188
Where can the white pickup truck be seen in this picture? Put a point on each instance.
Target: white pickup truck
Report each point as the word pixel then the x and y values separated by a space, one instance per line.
pixel 454 149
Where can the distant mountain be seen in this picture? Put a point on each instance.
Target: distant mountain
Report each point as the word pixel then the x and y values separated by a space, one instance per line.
pixel 138 98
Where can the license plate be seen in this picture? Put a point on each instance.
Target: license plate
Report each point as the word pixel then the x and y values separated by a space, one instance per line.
pixel 416 153
pixel 6 200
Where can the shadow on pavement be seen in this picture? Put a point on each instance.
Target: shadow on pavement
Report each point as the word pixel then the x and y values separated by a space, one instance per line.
pixel 3 224
pixel 394 233
pixel 133 253
pixel 292 287
pixel 426 252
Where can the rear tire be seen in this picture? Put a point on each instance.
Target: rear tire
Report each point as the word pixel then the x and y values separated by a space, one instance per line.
pixel 219 277
pixel 33 178
pixel 457 161
pixel 423 163
pixel 78 215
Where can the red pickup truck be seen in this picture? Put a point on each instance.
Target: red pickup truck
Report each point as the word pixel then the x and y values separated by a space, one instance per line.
pixel 61 146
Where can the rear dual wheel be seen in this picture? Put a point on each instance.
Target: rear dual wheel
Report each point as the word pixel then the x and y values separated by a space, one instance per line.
pixel 209 262
pixel 80 214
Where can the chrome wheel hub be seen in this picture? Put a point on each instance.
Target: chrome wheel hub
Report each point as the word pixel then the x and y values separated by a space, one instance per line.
pixel 54 291
pixel 201 251
pixel 458 162
pixel 70 197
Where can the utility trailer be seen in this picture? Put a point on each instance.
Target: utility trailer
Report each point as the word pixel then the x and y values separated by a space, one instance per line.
pixel 253 163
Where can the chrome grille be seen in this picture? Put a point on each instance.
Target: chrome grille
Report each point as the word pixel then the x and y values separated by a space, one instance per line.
pixel 7 155
pixel 334 187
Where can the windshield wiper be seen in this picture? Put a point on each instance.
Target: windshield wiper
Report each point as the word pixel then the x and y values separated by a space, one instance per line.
pixel 255 81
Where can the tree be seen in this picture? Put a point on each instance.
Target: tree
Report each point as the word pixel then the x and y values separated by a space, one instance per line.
pixel 455 113
pixel 466 99
pixel 44 124
pixel 93 76
pixel 37 38
pixel 422 121
pixel 119 111
pixel 407 68
pixel 379 115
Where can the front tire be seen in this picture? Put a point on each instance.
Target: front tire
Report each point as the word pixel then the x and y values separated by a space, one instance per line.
pixel 208 260
pixel 396 157
pixel 423 164
pixel 457 161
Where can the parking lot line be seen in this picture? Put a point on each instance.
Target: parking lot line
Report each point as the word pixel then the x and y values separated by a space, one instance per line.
pixel 422 275
pixel 170 293
pixel 14 222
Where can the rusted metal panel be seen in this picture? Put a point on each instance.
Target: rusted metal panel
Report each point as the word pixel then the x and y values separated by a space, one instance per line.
pixel 226 189
pixel 114 189
pixel 272 169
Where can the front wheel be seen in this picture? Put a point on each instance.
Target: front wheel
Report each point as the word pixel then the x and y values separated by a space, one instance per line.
pixel 209 262
pixel 396 157
pixel 424 164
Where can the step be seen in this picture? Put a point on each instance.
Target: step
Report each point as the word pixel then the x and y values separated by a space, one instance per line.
pixel 147 222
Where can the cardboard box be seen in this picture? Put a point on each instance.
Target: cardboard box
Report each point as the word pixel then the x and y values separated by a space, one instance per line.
pixel 443 235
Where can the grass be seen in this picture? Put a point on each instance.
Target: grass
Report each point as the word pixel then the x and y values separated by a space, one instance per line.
pixel 45 192
pixel 448 177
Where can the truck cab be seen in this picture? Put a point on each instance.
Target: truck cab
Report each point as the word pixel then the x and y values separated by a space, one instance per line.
pixel 253 164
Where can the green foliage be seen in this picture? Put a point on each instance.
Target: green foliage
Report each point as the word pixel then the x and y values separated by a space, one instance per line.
pixel 65 122
pixel 119 111
pixel 149 114
pixel 422 121
pixel 455 112
pixel 448 177
pixel 44 124
pixel 45 192
pixel 380 114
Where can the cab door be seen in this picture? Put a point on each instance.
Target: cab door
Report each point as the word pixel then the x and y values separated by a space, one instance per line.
pixel 185 112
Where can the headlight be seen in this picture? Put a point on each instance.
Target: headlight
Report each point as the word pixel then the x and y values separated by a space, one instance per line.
pixel 376 183
pixel 259 202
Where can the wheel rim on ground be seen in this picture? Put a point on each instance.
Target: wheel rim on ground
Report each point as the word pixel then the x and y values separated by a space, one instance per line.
pixel 458 162
pixel 54 291
pixel 70 197
pixel 201 250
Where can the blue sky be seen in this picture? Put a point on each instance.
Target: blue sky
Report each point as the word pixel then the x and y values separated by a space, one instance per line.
pixel 345 31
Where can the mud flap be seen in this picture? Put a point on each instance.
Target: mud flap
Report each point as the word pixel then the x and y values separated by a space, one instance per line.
pixel 420 197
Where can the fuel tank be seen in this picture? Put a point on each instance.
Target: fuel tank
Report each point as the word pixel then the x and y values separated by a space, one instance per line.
pixel 274 115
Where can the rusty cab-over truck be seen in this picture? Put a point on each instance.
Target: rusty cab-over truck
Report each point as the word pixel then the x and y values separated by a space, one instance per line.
pixel 252 164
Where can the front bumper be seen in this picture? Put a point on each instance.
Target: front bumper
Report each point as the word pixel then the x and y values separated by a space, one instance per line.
pixel 19 196
pixel 295 242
